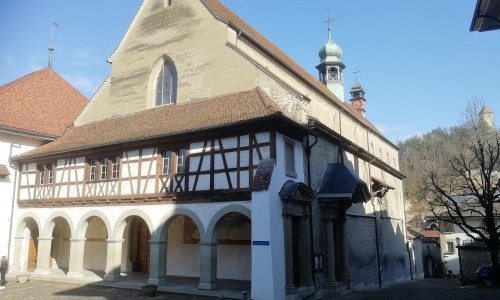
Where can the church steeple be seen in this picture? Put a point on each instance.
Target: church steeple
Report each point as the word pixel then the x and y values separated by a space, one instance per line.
pixel 331 67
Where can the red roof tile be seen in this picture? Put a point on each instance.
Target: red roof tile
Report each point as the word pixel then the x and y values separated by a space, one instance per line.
pixel 41 102
pixel 430 233
pixel 167 120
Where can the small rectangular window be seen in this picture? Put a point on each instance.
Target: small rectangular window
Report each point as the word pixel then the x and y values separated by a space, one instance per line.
pixel 41 171
pixel 450 248
pixel 92 169
pixel 50 174
pixel 448 227
pixel 290 158
pixel 104 169
pixel 115 167
pixel 166 161
pixel 181 156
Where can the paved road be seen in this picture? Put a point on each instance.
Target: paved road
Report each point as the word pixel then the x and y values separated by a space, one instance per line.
pixel 429 289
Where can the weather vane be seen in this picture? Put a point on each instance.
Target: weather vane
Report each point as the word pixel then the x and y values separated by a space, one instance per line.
pixel 51 47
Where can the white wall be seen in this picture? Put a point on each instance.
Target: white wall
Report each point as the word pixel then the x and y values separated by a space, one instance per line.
pixel 10 144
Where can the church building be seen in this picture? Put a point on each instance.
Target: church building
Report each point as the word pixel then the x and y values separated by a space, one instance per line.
pixel 208 153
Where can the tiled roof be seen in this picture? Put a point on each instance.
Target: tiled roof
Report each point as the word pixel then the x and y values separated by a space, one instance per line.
pixel 167 120
pixel 41 102
pixel 227 15
pixel 430 233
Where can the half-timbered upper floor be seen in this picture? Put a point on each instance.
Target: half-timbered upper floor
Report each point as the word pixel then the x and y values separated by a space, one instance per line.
pixel 171 153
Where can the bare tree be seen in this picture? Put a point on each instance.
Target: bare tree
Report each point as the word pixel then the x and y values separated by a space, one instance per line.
pixel 461 181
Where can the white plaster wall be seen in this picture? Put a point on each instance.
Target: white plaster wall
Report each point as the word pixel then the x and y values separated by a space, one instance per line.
pixel 7 199
pixel 268 262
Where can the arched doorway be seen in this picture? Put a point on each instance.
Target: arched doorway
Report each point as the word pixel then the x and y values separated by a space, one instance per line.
pixel 138 236
pixel 32 249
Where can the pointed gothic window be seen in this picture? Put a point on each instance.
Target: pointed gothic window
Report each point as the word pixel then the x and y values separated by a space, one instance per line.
pixel 166 85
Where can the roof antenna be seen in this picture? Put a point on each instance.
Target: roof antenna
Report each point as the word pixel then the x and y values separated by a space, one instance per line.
pixel 51 47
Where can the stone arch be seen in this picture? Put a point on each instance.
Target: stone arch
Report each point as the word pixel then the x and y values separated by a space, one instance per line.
pixel 22 224
pixel 121 222
pixel 210 234
pixel 167 219
pixel 49 225
pixel 82 224
pixel 134 228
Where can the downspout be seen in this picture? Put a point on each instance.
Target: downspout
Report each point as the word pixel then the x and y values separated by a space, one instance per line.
pixel 409 259
pixel 311 239
pixel 14 188
pixel 378 253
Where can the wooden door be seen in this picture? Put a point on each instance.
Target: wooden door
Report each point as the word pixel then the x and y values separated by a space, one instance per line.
pixel 32 251
pixel 143 237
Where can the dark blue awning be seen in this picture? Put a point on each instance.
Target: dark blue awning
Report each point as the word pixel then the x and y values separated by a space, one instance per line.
pixel 339 183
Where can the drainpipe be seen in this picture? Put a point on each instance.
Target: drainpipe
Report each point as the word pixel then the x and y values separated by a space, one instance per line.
pixel 311 239
pixel 13 201
pixel 378 253
pixel 409 259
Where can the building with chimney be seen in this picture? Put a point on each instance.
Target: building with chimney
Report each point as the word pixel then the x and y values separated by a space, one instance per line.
pixel 209 154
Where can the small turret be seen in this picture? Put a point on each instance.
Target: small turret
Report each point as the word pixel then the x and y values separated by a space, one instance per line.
pixel 358 98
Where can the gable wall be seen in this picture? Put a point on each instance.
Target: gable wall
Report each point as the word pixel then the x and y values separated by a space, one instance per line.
pixel 192 38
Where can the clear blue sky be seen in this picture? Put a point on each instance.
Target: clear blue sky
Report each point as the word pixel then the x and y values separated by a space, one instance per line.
pixel 419 63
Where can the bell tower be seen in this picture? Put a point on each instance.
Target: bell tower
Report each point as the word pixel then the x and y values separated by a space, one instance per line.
pixel 331 67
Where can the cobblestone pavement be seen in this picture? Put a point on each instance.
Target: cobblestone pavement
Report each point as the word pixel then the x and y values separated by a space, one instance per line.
pixel 428 289
pixel 41 290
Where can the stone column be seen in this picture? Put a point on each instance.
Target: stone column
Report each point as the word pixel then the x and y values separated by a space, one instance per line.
pixel 307 251
pixel 208 266
pixel 290 288
pixel 344 256
pixel 158 262
pixel 113 260
pixel 16 259
pixel 43 255
pixel 77 248
pixel 331 282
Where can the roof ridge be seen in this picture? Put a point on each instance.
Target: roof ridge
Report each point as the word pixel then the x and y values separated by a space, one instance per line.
pixel 9 85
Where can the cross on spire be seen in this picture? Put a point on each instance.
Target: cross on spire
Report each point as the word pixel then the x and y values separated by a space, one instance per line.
pixel 356 72
pixel 328 21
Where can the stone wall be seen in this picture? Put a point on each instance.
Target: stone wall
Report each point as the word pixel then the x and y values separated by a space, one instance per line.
pixel 471 258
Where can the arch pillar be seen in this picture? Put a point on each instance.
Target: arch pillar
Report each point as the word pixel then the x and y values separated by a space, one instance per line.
pixel 43 255
pixel 158 265
pixel 208 266
pixel 113 259
pixel 16 265
pixel 76 257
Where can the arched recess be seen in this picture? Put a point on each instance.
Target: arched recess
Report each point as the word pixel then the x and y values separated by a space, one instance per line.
pixel 59 229
pixel 94 228
pixel 231 230
pixel 135 228
pixel 181 229
pixel 26 243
